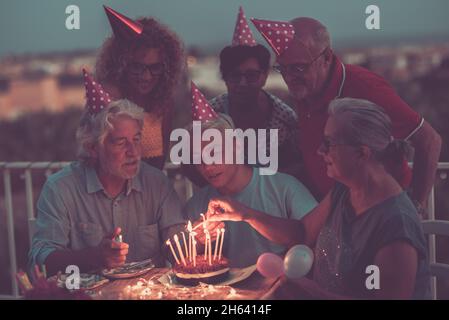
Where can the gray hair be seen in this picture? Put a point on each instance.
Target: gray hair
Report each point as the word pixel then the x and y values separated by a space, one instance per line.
pixel 364 123
pixel 94 128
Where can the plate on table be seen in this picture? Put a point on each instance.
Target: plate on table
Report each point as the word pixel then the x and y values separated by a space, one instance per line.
pixel 235 275
pixel 129 270
pixel 239 274
pixel 87 281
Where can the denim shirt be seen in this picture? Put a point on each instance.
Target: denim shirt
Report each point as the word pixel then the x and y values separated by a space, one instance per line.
pixel 74 212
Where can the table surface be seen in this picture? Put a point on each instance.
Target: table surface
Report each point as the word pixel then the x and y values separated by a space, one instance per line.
pixel 147 287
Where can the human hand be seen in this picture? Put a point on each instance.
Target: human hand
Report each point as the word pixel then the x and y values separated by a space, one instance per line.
pixel 111 253
pixel 211 227
pixel 226 209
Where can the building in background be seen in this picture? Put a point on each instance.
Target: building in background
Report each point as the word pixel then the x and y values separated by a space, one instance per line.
pixel 53 82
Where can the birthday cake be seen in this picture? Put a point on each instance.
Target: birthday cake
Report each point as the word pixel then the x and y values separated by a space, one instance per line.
pixel 202 271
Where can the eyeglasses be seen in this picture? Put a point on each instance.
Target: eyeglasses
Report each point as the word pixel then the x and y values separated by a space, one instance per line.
pixel 327 143
pixel 251 76
pixel 138 69
pixel 299 68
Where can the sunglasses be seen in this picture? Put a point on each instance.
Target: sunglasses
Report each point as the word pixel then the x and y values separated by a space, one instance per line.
pixel 138 69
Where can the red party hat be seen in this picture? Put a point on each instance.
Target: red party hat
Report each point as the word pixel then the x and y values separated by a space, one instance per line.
pixel 278 34
pixel 242 33
pixel 96 98
pixel 201 109
pixel 122 26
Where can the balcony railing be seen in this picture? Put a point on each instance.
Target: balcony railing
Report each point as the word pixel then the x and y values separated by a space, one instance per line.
pixel 49 167
pixel 28 168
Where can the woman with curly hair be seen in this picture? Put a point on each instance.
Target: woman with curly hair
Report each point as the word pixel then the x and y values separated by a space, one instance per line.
pixel 142 62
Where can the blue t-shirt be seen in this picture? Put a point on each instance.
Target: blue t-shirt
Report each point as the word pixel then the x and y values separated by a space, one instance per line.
pixel 278 195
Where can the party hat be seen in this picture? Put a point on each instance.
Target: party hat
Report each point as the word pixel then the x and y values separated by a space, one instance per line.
pixel 242 33
pixel 278 34
pixel 122 26
pixel 96 98
pixel 201 109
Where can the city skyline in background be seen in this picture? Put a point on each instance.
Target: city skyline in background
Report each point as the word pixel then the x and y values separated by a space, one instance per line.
pixel 30 27
pixel 41 61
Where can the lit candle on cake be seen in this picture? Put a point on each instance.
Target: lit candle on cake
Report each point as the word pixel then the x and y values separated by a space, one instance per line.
pixel 189 229
pixel 185 245
pixel 209 246
pixel 194 245
pixel 179 249
pixel 206 244
pixel 216 244
pixel 204 221
pixel 194 250
pixel 221 243
pixel 172 250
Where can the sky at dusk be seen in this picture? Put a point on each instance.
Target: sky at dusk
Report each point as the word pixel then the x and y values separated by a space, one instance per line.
pixel 33 26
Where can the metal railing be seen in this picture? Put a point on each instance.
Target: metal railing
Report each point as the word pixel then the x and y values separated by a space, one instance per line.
pixel 442 166
pixel 28 167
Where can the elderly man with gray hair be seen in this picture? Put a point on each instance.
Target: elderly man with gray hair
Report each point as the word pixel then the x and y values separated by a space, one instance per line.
pixel 108 192
pixel 315 76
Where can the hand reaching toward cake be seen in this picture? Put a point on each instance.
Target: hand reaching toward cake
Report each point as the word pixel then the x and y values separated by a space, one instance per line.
pixel 280 230
pixel 226 209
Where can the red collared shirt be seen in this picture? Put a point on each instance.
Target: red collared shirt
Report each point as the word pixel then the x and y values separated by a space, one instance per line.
pixel 355 82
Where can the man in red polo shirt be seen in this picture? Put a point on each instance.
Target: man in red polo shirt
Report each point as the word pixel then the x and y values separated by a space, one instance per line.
pixel 315 76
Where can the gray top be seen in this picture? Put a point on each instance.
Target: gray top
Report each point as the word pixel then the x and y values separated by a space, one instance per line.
pixel 74 212
pixel 278 195
pixel 347 244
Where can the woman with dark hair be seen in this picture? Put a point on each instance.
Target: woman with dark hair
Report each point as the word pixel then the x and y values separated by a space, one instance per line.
pixel 142 62
pixel 244 67
pixel 366 232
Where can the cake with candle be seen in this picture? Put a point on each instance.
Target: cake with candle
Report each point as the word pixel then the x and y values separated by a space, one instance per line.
pixel 210 267
pixel 191 268
pixel 202 271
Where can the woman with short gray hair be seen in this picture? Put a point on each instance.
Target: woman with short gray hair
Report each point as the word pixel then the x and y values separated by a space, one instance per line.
pixel 365 123
pixel 366 232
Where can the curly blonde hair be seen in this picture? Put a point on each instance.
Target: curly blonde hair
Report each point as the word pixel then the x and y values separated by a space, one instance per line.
pixel 116 53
